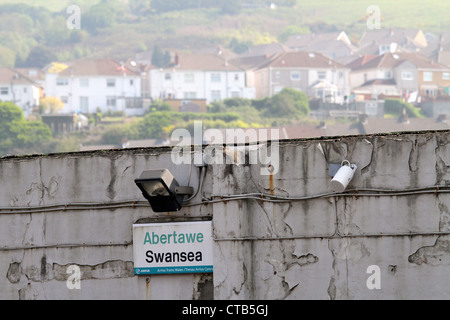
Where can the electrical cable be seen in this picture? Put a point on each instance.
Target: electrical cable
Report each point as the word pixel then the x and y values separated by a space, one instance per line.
pixel 357 193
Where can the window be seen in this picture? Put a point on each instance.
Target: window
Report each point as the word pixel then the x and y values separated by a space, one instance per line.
pixel 387 74
pixel 215 77
pixel 295 75
pixel 84 104
pixel 446 76
pixel 111 101
pixel 84 83
pixel 131 82
pixel 62 82
pixel 407 75
pixel 111 83
pixel 4 91
pixel 215 95
pixel 190 95
pixel 236 76
pixel 277 74
pixel 428 76
pixel 167 76
pixel 321 75
pixel 235 94
pixel 189 77
pixel 65 99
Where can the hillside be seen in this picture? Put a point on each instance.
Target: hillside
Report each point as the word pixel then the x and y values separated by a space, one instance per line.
pixel 122 28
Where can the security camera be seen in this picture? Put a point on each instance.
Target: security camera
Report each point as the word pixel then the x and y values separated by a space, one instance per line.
pixel 343 177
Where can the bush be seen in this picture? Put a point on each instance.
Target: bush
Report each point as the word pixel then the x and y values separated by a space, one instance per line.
pixel 395 107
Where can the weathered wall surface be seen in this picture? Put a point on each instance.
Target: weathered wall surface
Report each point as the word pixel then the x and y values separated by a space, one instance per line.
pixel 318 248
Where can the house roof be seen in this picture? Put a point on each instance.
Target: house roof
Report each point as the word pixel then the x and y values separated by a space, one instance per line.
pixel 253 62
pixel 361 61
pixel 265 49
pixel 9 75
pixel 392 60
pixel 304 41
pixel 380 82
pixel 98 67
pixel 403 37
pixel 302 59
pixel 204 62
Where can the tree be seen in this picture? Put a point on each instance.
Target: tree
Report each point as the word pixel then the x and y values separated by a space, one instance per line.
pixel 231 7
pixel 153 124
pixel 51 104
pixel 39 57
pixel 17 133
pixel 98 17
pixel 289 103
pixel 160 59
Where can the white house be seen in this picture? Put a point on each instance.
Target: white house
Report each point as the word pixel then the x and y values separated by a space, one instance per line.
pixel 199 76
pixel 18 88
pixel 89 84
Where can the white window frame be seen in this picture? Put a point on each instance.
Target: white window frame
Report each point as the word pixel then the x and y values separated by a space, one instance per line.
pixel 216 95
pixel 4 91
pixel 84 83
pixel 111 101
pixel 189 78
pixel 321 75
pixel 428 76
pixel 216 77
pixel 60 82
pixel 296 76
pixel 111 83
pixel 407 76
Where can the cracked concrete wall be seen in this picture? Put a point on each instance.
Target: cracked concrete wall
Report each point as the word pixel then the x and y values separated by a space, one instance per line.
pixel 322 248
pixel 36 248
pixel 310 249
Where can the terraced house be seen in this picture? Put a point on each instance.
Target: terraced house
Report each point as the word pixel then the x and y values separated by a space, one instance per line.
pixel 88 84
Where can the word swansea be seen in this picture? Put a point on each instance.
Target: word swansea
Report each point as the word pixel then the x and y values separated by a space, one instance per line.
pixel 173 238
pixel 173 256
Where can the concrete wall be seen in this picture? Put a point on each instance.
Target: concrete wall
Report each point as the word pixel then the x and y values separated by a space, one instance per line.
pixel 303 249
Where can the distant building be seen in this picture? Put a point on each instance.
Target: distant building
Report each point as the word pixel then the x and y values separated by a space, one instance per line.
pixel 199 76
pixel 334 45
pixel 316 75
pixel 89 84
pixel 401 74
pixel 20 89
pixel 392 40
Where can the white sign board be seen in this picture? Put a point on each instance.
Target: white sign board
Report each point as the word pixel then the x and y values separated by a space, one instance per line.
pixel 181 247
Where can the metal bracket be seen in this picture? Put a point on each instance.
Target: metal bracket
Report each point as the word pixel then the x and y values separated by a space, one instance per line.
pixel 184 190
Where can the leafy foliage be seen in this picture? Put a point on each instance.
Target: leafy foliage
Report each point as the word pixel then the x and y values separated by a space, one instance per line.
pixel 396 106
pixel 17 133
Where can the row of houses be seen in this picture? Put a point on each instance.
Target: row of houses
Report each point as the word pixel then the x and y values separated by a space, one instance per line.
pixel 326 67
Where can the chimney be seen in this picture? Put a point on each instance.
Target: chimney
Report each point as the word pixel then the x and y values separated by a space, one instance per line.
pixel 177 59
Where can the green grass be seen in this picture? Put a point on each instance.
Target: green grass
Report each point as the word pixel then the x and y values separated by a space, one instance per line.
pixel 54 5
pixel 195 28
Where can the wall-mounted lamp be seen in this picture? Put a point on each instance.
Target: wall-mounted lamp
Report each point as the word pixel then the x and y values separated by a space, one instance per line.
pixel 161 190
pixel 343 177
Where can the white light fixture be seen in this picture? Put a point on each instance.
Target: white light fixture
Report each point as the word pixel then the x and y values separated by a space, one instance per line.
pixel 343 177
